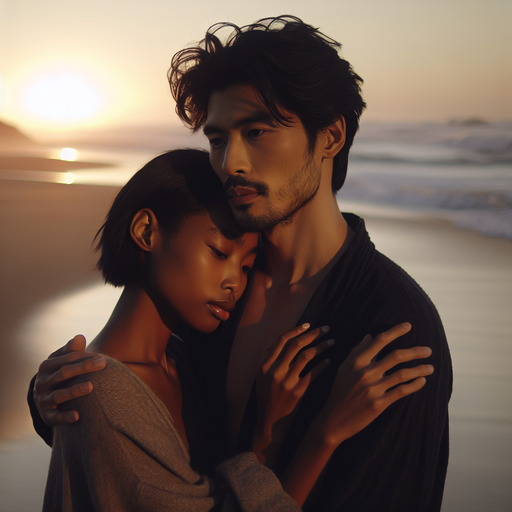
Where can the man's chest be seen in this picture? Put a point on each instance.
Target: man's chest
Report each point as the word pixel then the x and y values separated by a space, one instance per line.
pixel 268 314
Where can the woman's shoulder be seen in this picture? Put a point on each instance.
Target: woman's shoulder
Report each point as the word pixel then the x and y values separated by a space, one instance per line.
pixel 119 392
pixel 114 376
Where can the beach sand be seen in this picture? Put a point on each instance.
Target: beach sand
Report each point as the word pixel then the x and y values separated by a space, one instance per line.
pixel 47 230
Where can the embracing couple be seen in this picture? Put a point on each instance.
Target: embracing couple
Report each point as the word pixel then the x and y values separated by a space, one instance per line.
pixel 306 393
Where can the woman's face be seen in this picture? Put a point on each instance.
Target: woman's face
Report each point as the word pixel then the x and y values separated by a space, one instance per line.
pixel 202 271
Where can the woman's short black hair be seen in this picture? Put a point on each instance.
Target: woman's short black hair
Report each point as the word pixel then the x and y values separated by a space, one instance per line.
pixel 174 185
pixel 289 63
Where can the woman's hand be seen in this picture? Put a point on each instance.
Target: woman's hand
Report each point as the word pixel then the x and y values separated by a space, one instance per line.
pixel 362 391
pixel 49 391
pixel 280 386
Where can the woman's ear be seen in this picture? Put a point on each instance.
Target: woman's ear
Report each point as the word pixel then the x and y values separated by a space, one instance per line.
pixel 334 138
pixel 142 229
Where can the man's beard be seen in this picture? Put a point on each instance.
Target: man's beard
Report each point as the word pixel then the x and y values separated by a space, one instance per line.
pixel 298 192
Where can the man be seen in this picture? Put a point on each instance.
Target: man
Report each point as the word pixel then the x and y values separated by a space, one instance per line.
pixel 280 109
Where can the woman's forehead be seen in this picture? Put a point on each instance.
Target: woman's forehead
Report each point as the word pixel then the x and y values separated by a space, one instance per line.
pixel 222 217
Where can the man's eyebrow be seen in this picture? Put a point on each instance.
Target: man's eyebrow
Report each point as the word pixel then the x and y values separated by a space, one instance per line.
pixel 260 116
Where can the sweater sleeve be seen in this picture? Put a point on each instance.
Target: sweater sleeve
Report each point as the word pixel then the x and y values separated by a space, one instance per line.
pixel 125 455
pixel 42 429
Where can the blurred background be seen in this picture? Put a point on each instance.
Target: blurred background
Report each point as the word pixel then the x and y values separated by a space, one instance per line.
pixel 84 102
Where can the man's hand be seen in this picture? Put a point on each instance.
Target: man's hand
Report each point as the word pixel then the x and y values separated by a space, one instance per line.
pixel 65 363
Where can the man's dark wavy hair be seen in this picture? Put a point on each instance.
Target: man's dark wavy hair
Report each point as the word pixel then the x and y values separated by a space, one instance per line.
pixel 291 65
pixel 175 185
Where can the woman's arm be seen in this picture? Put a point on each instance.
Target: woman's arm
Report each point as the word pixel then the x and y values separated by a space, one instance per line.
pixel 125 454
pixel 361 392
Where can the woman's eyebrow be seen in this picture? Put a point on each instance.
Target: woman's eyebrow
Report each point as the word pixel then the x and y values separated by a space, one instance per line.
pixel 229 234
pixel 233 236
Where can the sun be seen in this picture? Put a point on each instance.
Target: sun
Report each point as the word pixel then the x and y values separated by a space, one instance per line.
pixel 63 97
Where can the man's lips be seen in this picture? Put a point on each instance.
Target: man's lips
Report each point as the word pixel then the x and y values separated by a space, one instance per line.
pixel 221 309
pixel 241 195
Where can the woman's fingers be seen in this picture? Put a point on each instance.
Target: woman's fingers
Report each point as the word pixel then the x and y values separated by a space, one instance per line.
pixel 290 352
pixel 406 375
pixel 305 357
pixel 402 356
pixel 401 391
pixel 368 349
pixel 276 348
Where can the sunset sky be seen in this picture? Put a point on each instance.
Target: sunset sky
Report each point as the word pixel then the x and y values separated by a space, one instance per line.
pixel 80 65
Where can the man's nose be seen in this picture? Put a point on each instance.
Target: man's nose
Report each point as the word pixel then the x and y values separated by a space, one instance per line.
pixel 235 159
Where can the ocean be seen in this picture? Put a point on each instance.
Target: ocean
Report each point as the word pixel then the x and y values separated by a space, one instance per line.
pixel 460 171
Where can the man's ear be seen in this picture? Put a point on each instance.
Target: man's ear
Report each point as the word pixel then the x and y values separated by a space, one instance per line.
pixel 334 138
pixel 142 229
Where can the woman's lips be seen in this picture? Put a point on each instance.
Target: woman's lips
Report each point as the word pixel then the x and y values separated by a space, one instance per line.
pixel 241 195
pixel 221 310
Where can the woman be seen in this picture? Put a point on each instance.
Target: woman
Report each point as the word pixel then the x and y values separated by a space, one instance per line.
pixel 171 241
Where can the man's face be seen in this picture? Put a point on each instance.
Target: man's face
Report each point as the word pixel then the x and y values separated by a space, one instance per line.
pixel 267 169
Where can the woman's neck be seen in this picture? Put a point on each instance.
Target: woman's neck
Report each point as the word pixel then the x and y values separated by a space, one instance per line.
pixel 135 332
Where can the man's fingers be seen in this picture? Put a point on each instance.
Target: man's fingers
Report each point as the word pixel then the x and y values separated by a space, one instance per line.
pixel 63 368
pixel 82 367
pixel 76 344
pixel 59 396
pixel 63 395
pixel 54 417
pixel 44 396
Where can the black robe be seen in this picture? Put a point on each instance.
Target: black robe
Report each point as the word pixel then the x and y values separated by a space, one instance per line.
pixel 399 462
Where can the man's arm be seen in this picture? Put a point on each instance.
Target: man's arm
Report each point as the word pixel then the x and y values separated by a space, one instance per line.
pixel 47 391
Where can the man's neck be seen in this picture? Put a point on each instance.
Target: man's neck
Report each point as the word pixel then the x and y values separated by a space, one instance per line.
pixel 298 250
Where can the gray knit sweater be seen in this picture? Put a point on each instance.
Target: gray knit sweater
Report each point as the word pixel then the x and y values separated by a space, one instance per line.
pixel 124 454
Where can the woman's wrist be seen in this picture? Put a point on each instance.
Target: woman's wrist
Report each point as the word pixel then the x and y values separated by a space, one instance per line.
pixel 318 435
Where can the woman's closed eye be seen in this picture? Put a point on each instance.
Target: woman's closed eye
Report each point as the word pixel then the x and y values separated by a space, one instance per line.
pixel 219 254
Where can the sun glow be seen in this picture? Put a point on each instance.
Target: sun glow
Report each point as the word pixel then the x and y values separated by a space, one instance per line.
pixel 68 154
pixel 63 97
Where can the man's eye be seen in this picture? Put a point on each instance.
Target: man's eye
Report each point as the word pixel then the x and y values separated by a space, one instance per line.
pixel 216 142
pixel 255 132
pixel 246 269
pixel 219 254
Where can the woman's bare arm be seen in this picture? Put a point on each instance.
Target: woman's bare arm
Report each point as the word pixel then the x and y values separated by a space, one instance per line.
pixel 361 392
